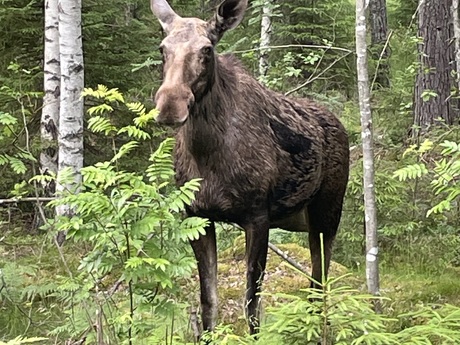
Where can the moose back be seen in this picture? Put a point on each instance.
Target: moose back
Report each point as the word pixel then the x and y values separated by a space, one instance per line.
pixel 266 160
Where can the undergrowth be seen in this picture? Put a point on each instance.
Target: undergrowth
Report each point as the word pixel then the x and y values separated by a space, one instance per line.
pixel 123 276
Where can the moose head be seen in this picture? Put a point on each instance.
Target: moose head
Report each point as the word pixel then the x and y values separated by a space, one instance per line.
pixel 189 57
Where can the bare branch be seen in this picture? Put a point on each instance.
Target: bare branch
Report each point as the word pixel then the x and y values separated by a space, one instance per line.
pixel 288 259
pixel 27 199
pixel 310 80
pixel 311 46
pixel 382 53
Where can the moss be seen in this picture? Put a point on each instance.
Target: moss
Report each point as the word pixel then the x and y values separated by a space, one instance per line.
pixel 279 277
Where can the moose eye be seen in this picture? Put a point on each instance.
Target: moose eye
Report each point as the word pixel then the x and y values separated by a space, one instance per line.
pixel 206 50
pixel 160 50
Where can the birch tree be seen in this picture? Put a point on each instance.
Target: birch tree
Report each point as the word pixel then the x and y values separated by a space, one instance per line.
pixel 265 36
pixel 71 104
pixel 51 86
pixel 372 268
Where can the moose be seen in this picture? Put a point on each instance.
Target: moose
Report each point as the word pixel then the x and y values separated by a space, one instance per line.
pixel 266 160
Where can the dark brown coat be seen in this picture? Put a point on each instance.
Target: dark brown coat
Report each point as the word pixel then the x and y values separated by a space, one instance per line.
pixel 266 160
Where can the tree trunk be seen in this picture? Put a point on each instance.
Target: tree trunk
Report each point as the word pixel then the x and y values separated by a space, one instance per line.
pixel 434 79
pixel 379 36
pixel 71 112
pixel 265 36
pixel 456 27
pixel 372 264
pixel 51 86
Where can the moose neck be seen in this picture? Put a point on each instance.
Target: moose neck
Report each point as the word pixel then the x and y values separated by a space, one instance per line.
pixel 208 120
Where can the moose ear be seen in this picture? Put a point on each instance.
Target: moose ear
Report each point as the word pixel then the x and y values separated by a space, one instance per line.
pixel 164 13
pixel 228 15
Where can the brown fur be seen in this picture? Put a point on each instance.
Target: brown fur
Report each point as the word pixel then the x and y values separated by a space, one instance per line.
pixel 266 160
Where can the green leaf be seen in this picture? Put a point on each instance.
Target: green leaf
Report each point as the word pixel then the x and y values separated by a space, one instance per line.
pixel 7 119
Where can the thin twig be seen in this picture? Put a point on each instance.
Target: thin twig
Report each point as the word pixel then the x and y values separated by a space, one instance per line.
pixel 288 259
pixel 28 199
pixel 131 293
pixel 312 46
pixel 380 58
pixel 310 80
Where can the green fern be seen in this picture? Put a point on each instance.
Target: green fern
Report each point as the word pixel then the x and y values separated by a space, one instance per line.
pixel 192 227
pixel 135 132
pixel 411 172
pixel 450 148
pixel 144 119
pixel 99 109
pixel 7 119
pixel 98 124
pixel 17 165
pixel 137 108
pixel 124 150
pixel 444 175
pixel 103 92
pixel 162 167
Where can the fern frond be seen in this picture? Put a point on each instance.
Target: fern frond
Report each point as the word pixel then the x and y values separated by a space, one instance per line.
pixel 444 205
pixel 7 119
pixel 103 92
pixel 43 179
pixel 17 165
pixel 411 172
pixel 99 124
pixel 136 107
pixel 4 159
pixel 135 132
pixel 192 227
pixel 450 147
pixel 426 146
pixel 124 150
pixel 162 165
pixel 100 109
pixel 142 120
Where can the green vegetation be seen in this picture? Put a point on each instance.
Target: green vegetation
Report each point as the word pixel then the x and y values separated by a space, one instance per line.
pixel 127 274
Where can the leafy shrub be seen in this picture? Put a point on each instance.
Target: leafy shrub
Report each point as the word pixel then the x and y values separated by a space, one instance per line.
pixel 127 283
pixel 340 315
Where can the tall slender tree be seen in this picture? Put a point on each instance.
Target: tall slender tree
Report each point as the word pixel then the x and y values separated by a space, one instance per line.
pixel 265 36
pixel 434 79
pixel 71 110
pixel 379 36
pixel 370 212
pixel 456 27
pixel 51 85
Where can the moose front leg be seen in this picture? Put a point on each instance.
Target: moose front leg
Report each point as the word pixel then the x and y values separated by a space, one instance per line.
pixel 206 255
pixel 256 254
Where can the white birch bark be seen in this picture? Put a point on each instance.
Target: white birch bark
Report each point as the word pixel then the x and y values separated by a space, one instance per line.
pixel 456 24
pixel 51 87
pixel 372 268
pixel 71 111
pixel 265 37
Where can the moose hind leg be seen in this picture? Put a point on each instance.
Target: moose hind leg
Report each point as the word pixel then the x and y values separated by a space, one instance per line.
pixel 256 254
pixel 324 218
pixel 206 255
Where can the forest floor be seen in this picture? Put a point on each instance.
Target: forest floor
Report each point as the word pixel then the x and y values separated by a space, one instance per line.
pixel 27 263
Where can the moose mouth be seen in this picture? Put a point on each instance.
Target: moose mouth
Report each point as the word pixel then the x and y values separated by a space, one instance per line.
pixel 174 109
pixel 172 124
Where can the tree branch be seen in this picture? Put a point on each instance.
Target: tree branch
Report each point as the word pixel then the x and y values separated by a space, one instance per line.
pixel 310 80
pixel 288 259
pixel 28 199
pixel 312 46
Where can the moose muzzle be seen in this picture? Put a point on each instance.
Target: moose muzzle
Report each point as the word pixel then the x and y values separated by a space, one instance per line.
pixel 174 104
